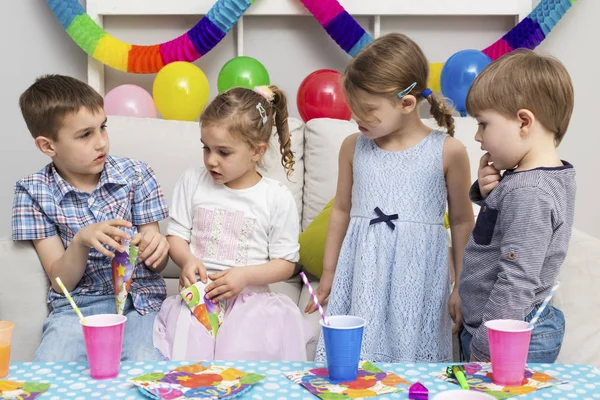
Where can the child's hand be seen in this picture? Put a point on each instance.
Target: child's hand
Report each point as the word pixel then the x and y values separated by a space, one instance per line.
pixel 322 293
pixel 153 247
pixel 190 270
pixel 488 176
pixel 226 284
pixel 103 233
pixel 455 312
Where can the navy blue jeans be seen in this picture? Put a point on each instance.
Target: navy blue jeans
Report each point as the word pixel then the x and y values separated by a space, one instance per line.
pixel 546 337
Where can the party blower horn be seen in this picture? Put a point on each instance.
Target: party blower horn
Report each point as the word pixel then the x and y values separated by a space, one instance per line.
pixel 458 372
pixel 123 266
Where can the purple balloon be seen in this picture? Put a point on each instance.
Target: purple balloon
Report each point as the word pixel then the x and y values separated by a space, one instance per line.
pixel 130 101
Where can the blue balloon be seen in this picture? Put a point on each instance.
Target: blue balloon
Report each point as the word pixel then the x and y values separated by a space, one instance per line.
pixel 458 73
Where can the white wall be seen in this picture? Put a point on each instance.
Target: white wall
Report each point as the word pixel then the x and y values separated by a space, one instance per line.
pixel 575 42
pixel 43 47
pixel 290 48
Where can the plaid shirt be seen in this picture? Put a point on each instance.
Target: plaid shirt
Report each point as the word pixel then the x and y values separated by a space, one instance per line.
pixel 46 205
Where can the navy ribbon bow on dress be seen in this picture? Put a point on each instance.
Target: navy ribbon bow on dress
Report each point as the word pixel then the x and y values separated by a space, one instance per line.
pixel 384 218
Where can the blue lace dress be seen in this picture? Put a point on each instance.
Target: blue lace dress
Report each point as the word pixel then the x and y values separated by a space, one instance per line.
pixel 393 265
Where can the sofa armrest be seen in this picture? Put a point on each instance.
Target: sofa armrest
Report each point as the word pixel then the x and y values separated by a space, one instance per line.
pixel 23 292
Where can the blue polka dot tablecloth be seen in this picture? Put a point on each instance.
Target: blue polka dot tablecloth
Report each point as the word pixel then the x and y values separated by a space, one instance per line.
pixel 73 381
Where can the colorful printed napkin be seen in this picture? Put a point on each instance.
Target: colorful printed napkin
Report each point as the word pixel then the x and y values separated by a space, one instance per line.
pixel 371 382
pixel 22 390
pixel 209 314
pixel 200 381
pixel 123 265
pixel 479 378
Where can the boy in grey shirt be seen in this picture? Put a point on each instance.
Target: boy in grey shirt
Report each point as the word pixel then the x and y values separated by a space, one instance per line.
pixel 523 103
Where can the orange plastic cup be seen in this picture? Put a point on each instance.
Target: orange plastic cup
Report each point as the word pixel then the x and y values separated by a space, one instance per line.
pixel 5 336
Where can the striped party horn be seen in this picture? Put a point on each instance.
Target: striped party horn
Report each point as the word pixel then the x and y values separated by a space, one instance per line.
pixel 70 299
pixel 314 297
pixel 544 304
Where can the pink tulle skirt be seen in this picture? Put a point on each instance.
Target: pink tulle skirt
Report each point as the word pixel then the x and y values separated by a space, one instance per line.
pixel 258 325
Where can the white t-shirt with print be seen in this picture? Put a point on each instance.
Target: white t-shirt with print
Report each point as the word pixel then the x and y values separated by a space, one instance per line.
pixel 228 227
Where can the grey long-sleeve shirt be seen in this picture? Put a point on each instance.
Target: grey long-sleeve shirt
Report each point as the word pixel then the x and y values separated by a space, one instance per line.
pixel 516 249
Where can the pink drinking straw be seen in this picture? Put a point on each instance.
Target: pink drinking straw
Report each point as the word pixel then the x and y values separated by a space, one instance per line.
pixel 314 297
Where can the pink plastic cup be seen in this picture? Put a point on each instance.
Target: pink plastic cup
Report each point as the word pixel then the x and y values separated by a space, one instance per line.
pixel 509 345
pixel 103 336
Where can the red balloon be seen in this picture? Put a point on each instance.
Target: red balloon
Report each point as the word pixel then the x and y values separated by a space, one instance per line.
pixel 320 95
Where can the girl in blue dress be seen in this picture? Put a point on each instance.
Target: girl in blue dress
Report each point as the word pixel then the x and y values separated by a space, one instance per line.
pixel 386 256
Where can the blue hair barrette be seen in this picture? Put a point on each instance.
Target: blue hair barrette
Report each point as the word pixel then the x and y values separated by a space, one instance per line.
pixel 407 90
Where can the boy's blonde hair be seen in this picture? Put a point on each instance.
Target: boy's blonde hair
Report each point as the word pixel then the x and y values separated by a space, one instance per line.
pixel 387 66
pixel 50 98
pixel 523 79
pixel 251 115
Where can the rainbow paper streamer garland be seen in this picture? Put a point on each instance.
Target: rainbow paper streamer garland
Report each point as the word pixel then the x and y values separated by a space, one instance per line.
pixel 532 30
pixel 190 46
pixel 211 29
pixel 529 33
pixel 340 25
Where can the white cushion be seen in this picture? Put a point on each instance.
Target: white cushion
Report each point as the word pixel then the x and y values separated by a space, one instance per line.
pixel 323 138
pixel 578 299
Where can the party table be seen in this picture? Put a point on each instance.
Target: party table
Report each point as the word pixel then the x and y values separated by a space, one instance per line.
pixel 72 380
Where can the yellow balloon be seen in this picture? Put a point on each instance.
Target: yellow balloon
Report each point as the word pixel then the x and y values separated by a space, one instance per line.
pixel 435 74
pixel 180 91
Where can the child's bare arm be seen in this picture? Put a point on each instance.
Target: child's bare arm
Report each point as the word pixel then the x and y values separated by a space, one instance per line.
pixel 460 210
pixel 460 214
pixel 190 264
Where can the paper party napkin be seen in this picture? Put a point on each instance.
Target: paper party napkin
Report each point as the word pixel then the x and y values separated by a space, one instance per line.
pixel 202 380
pixel 123 266
pixel 22 390
pixel 209 314
pixel 479 378
pixel 370 382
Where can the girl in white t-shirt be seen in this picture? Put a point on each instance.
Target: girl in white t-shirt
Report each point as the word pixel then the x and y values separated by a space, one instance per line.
pixel 238 232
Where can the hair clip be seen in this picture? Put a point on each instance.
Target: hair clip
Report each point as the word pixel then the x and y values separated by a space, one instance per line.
pixel 262 112
pixel 265 92
pixel 407 90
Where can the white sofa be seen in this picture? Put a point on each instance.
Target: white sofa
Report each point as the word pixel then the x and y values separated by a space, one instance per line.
pixel 171 147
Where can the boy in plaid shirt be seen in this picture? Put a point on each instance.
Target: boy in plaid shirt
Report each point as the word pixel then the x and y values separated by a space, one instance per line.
pixel 78 209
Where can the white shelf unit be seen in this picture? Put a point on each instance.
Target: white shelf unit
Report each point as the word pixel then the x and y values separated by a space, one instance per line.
pixel 98 9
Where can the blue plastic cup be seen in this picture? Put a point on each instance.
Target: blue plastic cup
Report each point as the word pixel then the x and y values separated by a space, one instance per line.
pixel 343 340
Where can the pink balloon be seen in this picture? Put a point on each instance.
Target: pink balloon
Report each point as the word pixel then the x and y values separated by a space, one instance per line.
pixel 130 101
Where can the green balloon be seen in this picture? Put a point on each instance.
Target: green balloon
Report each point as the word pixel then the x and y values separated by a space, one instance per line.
pixel 242 71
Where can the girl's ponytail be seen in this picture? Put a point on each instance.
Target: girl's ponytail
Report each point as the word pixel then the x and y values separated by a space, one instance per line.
pixel 281 125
